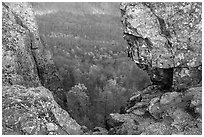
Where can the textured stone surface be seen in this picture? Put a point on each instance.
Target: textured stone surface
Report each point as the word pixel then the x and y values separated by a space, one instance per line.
pixel 140 111
pixel 33 111
pixel 99 131
pixel 165 114
pixel 123 124
pixel 21 40
pixel 116 119
pixel 196 102
pixel 168 97
pixel 196 92
pixel 165 35
pixel 18 65
pixel 154 108
pixel 27 106
pixel 157 129
pixel 181 118
pixel 26 60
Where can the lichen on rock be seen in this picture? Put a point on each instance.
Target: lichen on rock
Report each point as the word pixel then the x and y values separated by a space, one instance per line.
pixel 28 108
pixel 16 53
pixel 33 111
pixel 164 114
pixel 165 35
pixel 168 34
pixel 18 18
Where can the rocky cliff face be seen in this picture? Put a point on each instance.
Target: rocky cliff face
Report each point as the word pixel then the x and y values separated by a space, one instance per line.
pixel 18 64
pixel 165 35
pixel 27 66
pixel 150 112
pixel 33 111
pixel 170 32
pixel 20 28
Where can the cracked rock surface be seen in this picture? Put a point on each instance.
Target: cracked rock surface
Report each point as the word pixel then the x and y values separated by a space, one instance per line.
pixel 165 35
pixel 33 111
pixel 23 46
pixel 166 114
pixel 28 108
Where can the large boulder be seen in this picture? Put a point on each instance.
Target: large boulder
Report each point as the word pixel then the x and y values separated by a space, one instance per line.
pixel 160 114
pixel 165 35
pixel 196 94
pixel 123 124
pixel 154 108
pixel 168 34
pixel 99 131
pixel 169 97
pixel 33 111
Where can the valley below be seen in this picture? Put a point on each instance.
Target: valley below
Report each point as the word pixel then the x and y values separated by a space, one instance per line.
pixel 67 69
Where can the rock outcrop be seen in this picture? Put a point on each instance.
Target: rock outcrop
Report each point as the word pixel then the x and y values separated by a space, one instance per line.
pixel 24 49
pixel 33 111
pixel 27 66
pixel 165 35
pixel 157 113
pixel 18 64
pixel 30 80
